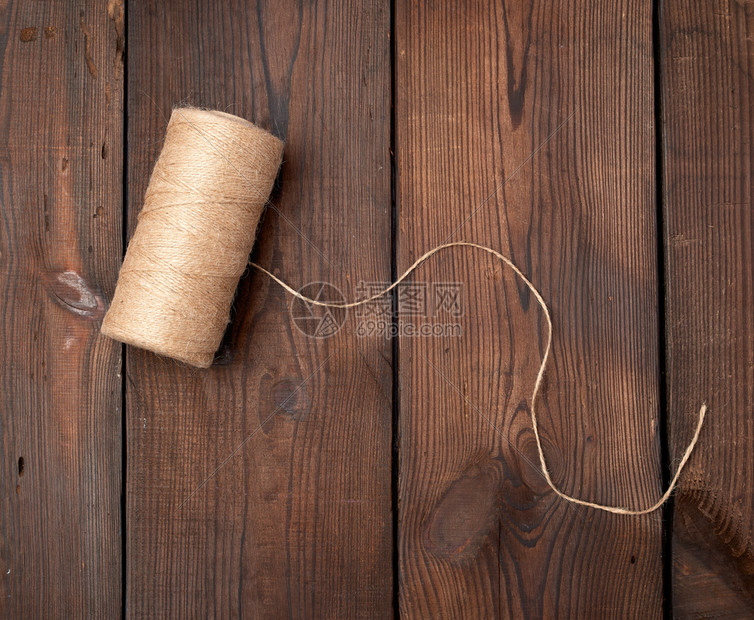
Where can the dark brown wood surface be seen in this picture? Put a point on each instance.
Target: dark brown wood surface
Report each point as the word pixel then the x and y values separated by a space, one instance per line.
pixel 708 98
pixel 262 485
pixel 529 127
pixel 355 475
pixel 61 148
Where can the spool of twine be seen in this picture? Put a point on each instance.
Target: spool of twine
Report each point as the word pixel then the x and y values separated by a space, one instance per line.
pixel 192 243
pixel 194 235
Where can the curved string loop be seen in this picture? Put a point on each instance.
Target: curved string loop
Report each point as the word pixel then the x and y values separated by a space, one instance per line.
pixel 543 464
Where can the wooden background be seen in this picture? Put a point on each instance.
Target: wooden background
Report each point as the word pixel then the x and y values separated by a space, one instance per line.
pixel 607 148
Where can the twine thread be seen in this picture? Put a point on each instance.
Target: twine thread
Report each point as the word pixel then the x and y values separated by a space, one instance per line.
pixel 537 384
pixel 192 243
pixel 194 235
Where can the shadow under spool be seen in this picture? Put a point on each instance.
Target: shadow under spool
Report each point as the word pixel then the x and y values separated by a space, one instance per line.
pixel 194 235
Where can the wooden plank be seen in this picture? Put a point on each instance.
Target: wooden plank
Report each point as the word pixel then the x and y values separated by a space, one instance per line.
pixel 60 248
pixel 262 485
pixel 708 96
pixel 529 127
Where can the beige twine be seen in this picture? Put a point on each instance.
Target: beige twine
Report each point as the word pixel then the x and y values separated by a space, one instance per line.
pixel 194 235
pixel 187 255
pixel 543 464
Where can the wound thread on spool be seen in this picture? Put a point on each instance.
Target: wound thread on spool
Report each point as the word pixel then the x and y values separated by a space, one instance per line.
pixel 194 235
pixel 193 239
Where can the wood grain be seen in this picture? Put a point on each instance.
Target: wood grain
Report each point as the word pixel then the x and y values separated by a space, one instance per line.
pixel 708 96
pixel 261 487
pixel 61 151
pixel 529 127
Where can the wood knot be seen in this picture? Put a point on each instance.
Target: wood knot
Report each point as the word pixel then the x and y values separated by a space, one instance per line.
pixel 70 291
pixel 28 34
pixel 290 396
pixel 524 459
pixel 464 517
